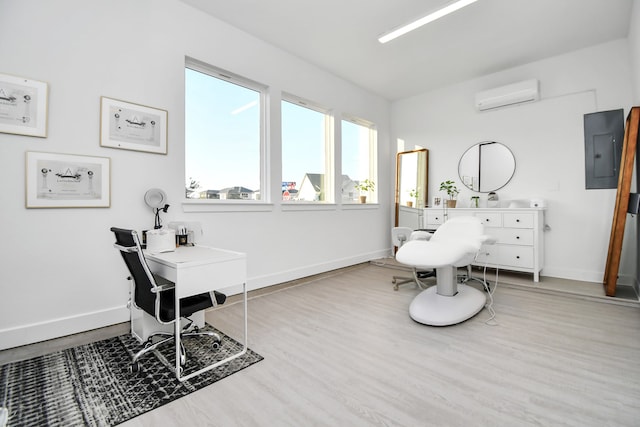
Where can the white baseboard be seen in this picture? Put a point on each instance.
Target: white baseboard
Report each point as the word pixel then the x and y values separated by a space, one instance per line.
pixel 587 276
pixel 259 282
pixel 56 328
pixel 581 275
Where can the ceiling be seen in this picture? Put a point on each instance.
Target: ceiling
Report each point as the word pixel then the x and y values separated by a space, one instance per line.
pixel 340 36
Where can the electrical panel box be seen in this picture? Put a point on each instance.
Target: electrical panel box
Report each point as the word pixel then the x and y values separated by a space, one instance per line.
pixel 603 138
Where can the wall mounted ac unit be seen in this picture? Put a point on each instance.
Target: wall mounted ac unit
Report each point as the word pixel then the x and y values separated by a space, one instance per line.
pixel 516 93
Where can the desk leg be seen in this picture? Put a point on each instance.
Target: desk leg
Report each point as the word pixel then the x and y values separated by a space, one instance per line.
pixel 177 329
pixel 221 362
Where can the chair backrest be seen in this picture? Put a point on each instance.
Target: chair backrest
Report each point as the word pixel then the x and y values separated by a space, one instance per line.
pixel 128 244
pixel 467 229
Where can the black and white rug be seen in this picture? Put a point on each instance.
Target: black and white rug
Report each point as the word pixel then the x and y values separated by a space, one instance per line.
pixel 90 384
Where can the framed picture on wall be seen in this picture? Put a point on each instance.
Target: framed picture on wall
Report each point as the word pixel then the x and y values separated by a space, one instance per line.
pixel 23 106
pixel 132 126
pixel 67 181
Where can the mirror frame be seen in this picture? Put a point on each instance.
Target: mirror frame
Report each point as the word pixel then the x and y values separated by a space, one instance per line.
pixel 422 202
pixel 478 146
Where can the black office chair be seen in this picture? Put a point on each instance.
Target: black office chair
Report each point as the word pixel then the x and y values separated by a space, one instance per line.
pixel 155 295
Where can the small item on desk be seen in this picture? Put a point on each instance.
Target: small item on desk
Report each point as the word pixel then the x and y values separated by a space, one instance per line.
pixel 144 239
pixel 161 240
pixel 181 237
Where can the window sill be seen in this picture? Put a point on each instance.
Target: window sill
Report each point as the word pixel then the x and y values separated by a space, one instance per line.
pixel 200 205
pixel 356 206
pixel 226 206
pixel 302 206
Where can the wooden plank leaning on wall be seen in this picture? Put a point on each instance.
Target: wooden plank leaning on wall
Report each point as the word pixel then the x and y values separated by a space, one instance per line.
pixel 629 146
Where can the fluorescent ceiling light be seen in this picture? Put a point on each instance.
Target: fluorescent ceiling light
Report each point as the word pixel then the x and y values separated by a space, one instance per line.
pixel 450 8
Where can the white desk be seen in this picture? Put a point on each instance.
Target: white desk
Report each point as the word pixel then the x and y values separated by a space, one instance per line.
pixel 196 270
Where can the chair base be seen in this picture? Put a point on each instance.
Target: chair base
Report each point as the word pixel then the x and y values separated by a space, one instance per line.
pixel 151 346
pixel 433 309
pixel 417 276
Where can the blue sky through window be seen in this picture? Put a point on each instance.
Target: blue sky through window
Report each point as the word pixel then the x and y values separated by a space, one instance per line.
pixel 222 133
pixel 223 137
pixel 355 150
pixel 303 142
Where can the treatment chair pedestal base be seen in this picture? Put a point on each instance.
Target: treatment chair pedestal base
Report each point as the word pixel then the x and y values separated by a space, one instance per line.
pixel 448 302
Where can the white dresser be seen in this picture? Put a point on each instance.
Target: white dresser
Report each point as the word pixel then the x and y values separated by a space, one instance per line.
pixel 518 232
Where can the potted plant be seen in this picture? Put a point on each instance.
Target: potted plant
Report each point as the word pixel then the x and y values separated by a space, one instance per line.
pixel 475 201
pixel 365 186
pixel 414 195
pixel 452 191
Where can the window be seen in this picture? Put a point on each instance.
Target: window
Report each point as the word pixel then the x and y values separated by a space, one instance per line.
pixel 224 137
pixel 307 152
pixel 358 159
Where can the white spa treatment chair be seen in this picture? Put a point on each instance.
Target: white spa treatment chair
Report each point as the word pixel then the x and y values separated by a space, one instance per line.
pixel 454 244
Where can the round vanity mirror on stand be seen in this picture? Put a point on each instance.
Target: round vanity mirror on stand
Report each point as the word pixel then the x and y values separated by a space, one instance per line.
pixel 486 166
pixel 155 198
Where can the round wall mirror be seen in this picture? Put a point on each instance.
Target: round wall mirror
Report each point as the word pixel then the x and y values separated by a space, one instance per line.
pixel 486 166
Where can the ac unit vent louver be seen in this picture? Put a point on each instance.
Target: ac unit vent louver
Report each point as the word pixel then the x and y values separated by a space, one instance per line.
pixel 516 93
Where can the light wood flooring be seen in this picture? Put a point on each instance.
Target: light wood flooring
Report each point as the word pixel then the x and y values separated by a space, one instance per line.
pixel 341 350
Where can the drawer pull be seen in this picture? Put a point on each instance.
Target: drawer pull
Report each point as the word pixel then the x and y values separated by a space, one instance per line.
pixel 517 220
pixel 487 220
pixel 517 237
pixel 517 256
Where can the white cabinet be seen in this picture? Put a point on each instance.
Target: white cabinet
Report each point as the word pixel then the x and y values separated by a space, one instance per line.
pixel 518 232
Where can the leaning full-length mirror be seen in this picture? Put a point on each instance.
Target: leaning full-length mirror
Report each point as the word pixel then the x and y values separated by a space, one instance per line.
pixel 486 166
pixel 411 181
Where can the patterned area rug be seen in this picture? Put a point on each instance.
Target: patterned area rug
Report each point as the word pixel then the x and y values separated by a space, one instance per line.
pixel 90 385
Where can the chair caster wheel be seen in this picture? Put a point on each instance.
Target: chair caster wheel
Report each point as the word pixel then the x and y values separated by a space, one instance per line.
pixel 395 287
pixel 215 345
pixel 134 367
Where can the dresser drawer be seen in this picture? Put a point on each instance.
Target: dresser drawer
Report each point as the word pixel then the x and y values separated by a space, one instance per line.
pixel 516 256
pixel 434 218
pixel 488 255
pixel 490 219
pixel 513 236
pixel 518 220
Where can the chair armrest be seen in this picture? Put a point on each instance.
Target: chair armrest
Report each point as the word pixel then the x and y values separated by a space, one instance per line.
pixel 488 240
pixel 420 235
pixel 127 249
pixel 162 284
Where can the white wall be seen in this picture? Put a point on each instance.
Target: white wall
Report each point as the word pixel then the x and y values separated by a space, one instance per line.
pixel 60 272
pixel 546 138
pixel 634 50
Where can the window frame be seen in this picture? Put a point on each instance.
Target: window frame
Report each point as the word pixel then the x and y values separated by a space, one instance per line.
pixel 329 148
pixel 200 205
pixel 373 155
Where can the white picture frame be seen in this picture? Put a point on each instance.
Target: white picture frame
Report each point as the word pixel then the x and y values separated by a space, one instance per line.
pixel 23 106
pixel 131 126
pixel 56 180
